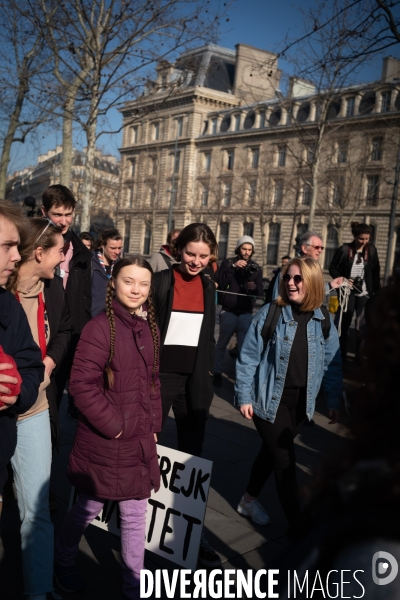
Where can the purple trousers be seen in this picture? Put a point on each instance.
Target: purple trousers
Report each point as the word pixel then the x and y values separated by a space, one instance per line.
pixel 133 523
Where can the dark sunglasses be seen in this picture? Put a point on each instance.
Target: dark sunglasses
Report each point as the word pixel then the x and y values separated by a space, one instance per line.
pixel 317 247
pixel 296 278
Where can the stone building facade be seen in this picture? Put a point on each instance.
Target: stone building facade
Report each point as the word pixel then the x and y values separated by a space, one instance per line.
pixel 32 181
pixel 215 138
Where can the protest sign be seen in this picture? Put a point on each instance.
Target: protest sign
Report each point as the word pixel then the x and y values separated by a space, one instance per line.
pixel 175 514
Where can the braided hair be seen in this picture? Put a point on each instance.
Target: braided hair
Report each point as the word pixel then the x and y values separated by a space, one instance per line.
pixel 126 262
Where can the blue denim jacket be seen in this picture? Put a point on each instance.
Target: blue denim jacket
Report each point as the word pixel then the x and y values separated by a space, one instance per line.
pixel 261 374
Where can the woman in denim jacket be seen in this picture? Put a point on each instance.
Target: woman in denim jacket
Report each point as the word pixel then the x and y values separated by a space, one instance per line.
pixel 277 386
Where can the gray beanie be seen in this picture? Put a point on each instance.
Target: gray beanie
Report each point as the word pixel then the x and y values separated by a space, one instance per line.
pixel 245 239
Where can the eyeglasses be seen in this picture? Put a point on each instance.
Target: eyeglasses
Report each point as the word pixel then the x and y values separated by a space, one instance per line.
pixel 317 247
pixel 296 278
pixel 44 230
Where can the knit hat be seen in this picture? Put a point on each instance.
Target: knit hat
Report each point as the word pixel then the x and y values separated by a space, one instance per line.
pixel 245 239
pixel 15 388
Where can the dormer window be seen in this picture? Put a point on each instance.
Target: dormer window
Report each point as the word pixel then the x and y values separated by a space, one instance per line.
pixel 350 104
pixel 386 99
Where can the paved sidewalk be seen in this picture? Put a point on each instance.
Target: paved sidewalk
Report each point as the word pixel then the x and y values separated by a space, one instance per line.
pixel 231 443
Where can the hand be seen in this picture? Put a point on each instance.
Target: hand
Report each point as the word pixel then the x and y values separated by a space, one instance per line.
pixel 335 283
pixel 251 285
pixel 241 264
pixel 49 365
pixel 7 401
pixel 246 411
pixel 350 282
pixel 155 438
pixel 119 435
pixel 334 415
pixel 6 378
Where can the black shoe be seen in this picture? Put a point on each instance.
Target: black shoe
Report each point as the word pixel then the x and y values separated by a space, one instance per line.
pixel 207 555
pixel 310 422
pixel 69 579
pixel 53 596
pixel 217 379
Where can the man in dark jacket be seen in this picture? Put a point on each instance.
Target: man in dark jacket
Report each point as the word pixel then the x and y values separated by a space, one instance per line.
pixel 16 341
pixel 103 261
pixel 239 275
pixel 59 206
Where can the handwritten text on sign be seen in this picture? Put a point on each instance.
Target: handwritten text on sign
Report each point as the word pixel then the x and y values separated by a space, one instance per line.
pixel 175 514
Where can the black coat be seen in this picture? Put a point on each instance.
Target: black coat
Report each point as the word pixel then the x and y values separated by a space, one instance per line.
pixel 17 341
pixel 342 262
pixel 234 279
pixel 199 385
pixel 60 325
pixel 79 287
pixel 99 286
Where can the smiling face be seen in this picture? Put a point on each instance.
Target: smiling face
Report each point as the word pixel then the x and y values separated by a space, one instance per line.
pixel 195 256
pixel 61 216
pixel 295 291
pixel 9 255
pixel 132 287
pixel 48 260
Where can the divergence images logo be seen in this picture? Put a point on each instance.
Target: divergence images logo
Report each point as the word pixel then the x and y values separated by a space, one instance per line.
pixel 384 568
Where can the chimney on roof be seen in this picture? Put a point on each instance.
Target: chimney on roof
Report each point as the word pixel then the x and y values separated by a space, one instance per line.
pixel 390 69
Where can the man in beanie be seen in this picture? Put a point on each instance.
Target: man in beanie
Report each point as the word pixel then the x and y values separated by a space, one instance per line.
pixel 242 277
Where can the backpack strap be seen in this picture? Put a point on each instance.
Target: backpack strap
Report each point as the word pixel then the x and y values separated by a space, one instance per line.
pixel 271 322
pixel 326 323
pixel 167 259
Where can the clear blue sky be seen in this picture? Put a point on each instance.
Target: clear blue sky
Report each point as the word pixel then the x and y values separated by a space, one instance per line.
pixel 260 23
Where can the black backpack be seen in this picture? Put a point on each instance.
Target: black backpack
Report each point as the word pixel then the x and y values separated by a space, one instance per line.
pixel 273 316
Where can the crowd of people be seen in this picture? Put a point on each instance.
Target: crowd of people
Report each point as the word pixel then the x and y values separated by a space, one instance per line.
pixel 131 339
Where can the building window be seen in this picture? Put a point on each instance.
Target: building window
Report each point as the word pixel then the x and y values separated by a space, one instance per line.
pixel 213 125
pixel 331 245
pixel 177 161
pixel 127 235
pixel 174 194
pixel 278 192
pixel 289 113
pixel 310 153
pixel 301 229
pixel 252 192
pixel 226 200
pixel 262 118
pixel 179 126
pixel 372 190
pixel 152 195
pixel 237 122
pixel 147 239
pixel 281 156
pixel 204 196
pixel 386 98
pixel 132 167
pixel 134 134
pixel 156 131
pixel 230 159
pixel 248 229
pixel 153 165
pixel 223 240
pixel 306 195
pixel 131 193
pixel 338 192
pixel 350 105
pixel 255 158
pixel 207 161
pixel 273 243
pixel 376 153
pixel 342 151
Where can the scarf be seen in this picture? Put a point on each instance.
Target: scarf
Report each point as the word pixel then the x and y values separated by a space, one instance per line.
pixel 103 264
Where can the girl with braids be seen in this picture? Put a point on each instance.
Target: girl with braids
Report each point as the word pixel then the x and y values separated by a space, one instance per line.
pixel 114 381
pixel 41 295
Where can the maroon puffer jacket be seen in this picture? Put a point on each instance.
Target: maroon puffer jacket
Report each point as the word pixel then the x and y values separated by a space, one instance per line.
pixel 100 465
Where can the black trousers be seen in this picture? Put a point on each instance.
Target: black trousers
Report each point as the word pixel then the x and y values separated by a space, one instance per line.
pixel 356 303
pixel 190 424
pixel 277 451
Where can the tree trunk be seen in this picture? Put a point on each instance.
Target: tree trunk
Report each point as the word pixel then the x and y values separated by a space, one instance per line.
pixel 89 172
pixel 67 152
pixel 9 138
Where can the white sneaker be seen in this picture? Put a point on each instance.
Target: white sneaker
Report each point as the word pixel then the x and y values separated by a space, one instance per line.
pixel 254 510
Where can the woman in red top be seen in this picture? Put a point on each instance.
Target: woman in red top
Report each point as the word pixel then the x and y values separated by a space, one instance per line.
pixel 185 308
